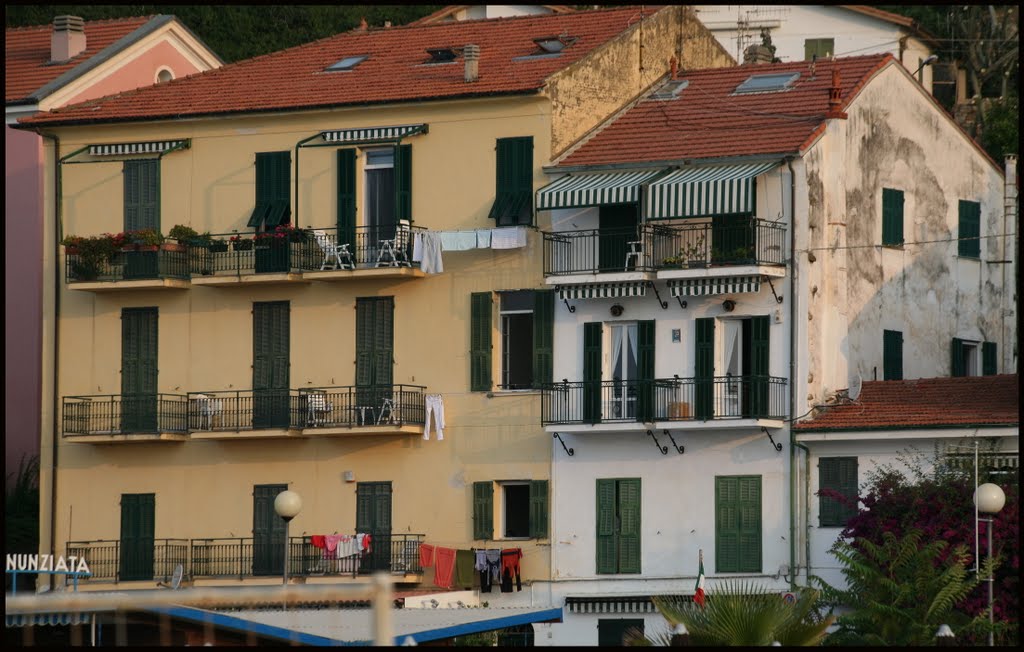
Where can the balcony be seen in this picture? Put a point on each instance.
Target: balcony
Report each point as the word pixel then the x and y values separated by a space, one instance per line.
pixel 150 269
pixel 719 402
pixel 237 259
pixel 113 418
pixel 686 253
pixel 242 558
pixel 367 252
pixel 312 411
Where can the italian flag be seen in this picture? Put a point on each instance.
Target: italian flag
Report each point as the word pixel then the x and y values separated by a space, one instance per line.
pixel 698 590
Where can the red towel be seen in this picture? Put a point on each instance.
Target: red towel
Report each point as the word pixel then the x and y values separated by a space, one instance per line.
pixel 510 560
pixel 318 541
pixel 444 567
pixel 426 555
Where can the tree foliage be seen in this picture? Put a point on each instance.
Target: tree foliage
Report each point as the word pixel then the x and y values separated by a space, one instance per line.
pixel 21 512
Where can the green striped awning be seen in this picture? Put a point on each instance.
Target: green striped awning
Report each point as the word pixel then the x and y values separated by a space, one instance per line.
pixel 704 191
pixel 700 287
pixel 373 134
pixel 594 189
pixel 602 290
pixel 158 147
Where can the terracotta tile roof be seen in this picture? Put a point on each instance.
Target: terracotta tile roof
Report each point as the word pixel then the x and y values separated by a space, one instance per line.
pixel 707 121
pixel 27 53
pixel 927 402
pixel 445 12
pixel 295 78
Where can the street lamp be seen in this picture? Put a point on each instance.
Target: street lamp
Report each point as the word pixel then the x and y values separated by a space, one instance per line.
pixel 989 499
pixel 287 505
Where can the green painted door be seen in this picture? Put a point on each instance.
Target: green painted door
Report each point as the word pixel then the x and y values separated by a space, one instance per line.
pixel 268 531
pixel 138 370
pixel 704 368
pixel 592 372
pixel 374 351
pixel 137 527
pixel 271 364
pixel 373 517
pixel 617 225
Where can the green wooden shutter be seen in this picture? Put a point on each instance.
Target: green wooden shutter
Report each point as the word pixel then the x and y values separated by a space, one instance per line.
pixel 480 368
pixel 749 504
pixel 607 536
pixel 374 349
pixel 538 509
pixel 543 336
pixel 139 340
pixel 629 525
pixel 483 510
pixel 347 198
pixel 956 355
pixel 704 367
pixel 364 506
pixel 645 370
pixel 759 359
pixel 267 530
pixel 988 359
pixel 273 190
pixel 403 182
pixel 513 182
pixel 892 216
pixel 271 362
pixel 381 508
pixel 970 229
pixel 892 355
pixel 848 485
pixel 384 342
pixel 727 525
pixel 136 541
pixel 141 194
pixel 592 372
pixel 838 474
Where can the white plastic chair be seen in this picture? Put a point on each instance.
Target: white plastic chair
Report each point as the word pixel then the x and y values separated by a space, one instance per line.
pixel 317 406
pixel 207 408
pixel 342 258
pixel 387 407
pixel 635 252
pixel 394 249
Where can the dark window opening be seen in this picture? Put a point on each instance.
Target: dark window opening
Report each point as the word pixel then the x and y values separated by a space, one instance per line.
pixel 517 339
pixel 517 510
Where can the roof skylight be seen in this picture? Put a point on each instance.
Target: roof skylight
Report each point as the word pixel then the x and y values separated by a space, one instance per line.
pixel 442 55
pixel 768 83
pixel 554 44
pixel 671 90
pixel 348 63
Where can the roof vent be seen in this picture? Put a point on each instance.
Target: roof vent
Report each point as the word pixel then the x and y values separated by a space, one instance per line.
pixel 442 55
pixel 68 38
pixel 471 54
pixel 348 63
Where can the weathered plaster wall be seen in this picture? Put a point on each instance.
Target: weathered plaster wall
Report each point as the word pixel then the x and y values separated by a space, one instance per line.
pixel 588 92
pixel 896 138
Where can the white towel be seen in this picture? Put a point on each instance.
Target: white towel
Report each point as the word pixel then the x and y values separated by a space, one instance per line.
pixel 417 247
pixel 483 238
pixel 431 253
pixel 508 238
pixel 458 240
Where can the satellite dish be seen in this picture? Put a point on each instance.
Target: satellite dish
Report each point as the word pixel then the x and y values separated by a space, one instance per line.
pixel 855 387
pixel 179 572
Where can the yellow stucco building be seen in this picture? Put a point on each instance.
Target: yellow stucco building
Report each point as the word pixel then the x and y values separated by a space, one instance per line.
pixel 372 258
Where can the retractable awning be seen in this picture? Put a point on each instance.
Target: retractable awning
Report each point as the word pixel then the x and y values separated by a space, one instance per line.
pixel 373 134
pixel 705 191
pixel 48 618
pixel 122 149
pixel 594 189
pixel 700 287
pixel 602 290
pixel 620 604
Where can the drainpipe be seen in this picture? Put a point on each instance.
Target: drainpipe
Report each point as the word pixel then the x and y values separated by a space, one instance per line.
pixel 1009 217
pixel 807 515
pixel 792 370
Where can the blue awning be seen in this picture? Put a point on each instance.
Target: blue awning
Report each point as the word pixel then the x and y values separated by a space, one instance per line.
pixel 705 191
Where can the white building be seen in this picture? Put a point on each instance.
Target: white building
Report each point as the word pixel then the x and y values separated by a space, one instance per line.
pixel 727 254
pixel 800 31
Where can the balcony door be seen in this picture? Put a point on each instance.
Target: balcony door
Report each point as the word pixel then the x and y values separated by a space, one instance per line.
pixel 137 527
pixel 374 354
pixel 267 531
pixel 743 366
pixel 617 226
pixel 270 364
pixel 141 211
pixel 621 370
pixel 373 517
pixel 138 370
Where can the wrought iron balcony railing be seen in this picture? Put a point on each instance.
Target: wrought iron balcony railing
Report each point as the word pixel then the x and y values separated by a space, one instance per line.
pixel 674 399
pixel 365 246
pixel 154 263
pixel 242 557
pixel 117 414
pixel 321 407
pixel 664 246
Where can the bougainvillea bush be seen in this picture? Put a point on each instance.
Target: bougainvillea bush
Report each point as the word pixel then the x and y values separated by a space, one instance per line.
pixel 936 499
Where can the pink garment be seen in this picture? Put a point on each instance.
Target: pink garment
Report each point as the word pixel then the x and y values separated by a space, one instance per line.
pixel 444 567
pixel 426 555
pixel 331 541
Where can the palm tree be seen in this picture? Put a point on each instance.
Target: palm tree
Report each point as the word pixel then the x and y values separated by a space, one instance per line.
pixel 742 613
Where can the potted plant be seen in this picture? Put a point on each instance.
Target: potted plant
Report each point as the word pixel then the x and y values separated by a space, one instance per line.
pixel 184 236
pixel 744 254
pixel 145 239
pixel 88 256
pixel 240 243
pixel 214 245
pixel 693 254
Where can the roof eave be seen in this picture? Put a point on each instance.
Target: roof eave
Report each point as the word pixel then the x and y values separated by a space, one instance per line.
pixel 890 427
pixel 598 167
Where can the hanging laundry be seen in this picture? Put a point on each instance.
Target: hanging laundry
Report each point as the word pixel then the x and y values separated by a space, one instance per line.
pixel 331 542
pixel 458 240
pixel 494 563
pixel 444 567
pixel 318 541
pixel 483 238
pixel 511 237
pixel 488 562
pixel 429 252
pixel 434 404
pixel 347 547
pixel 426 555
pixel 510 566
pixel 464 576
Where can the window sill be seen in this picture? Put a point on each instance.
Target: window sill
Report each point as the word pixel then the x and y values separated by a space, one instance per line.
pixel 975 259
pixel 898 246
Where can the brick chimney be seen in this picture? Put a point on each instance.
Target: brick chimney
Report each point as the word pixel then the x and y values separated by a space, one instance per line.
pixel 471 53
pixel 68 38
pixel 835 97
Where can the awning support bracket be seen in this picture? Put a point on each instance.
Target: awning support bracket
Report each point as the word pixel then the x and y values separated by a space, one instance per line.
pixel 778 299
pixel 663 449
pixel 664 304
pixel 568 450
pixel 679 449
pixel 778 446
pixel 571 308
pixel 682 304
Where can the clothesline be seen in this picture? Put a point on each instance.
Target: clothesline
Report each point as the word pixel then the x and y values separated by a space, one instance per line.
pixel 428 245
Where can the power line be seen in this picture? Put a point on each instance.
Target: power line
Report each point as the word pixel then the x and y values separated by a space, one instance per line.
pixel 919 242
